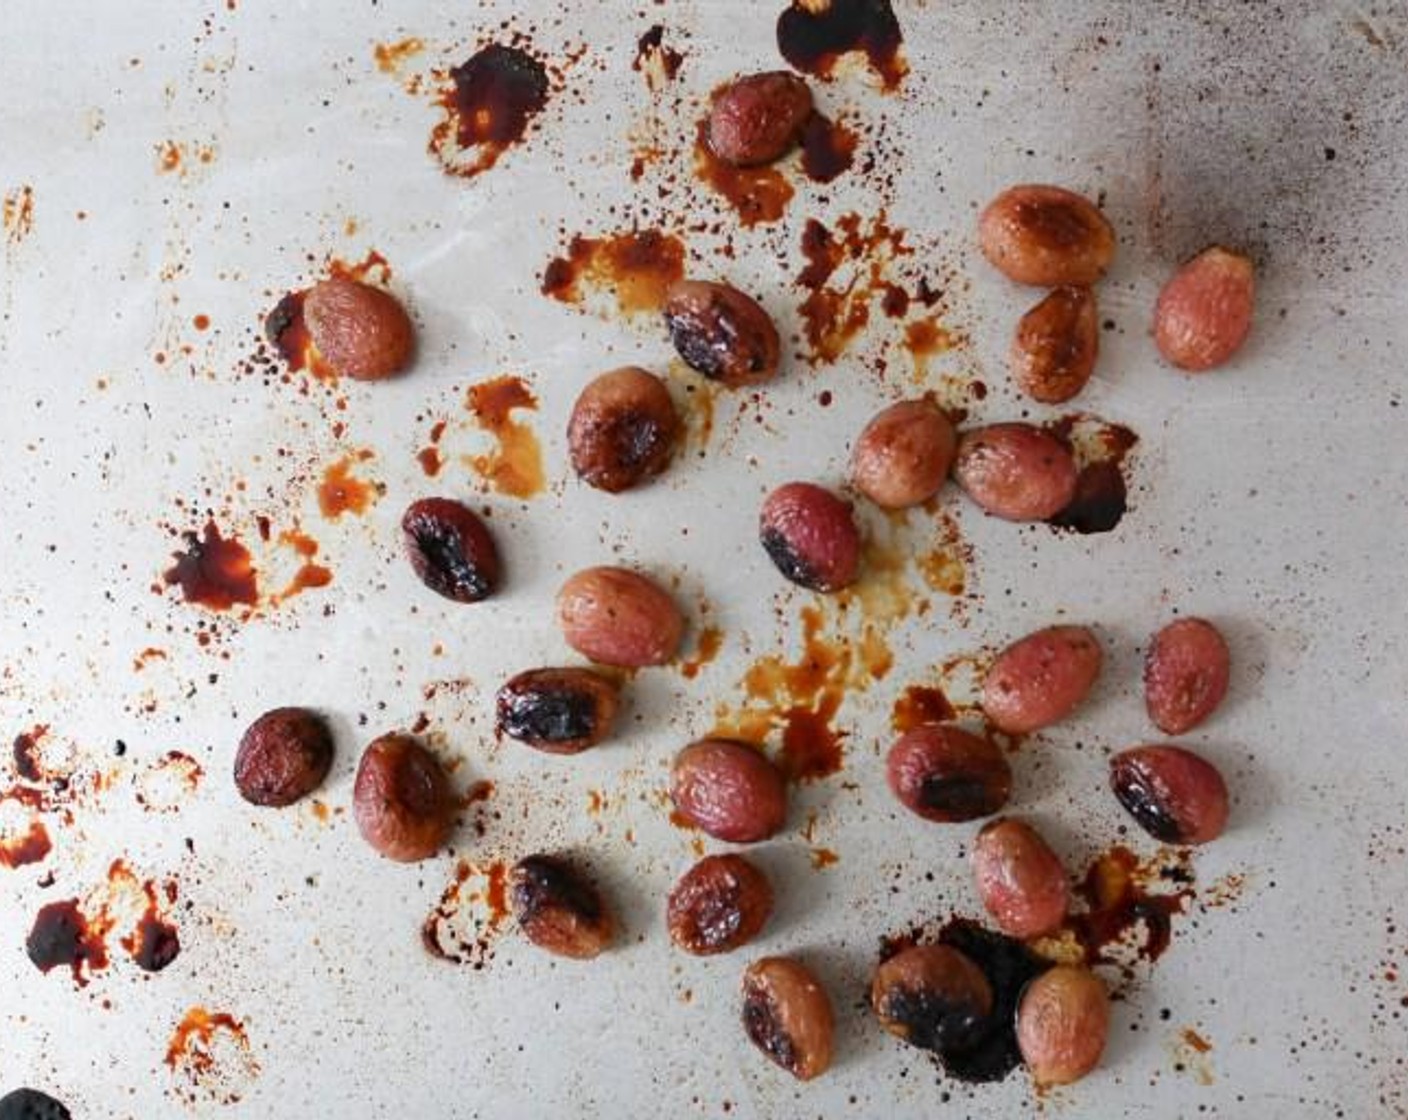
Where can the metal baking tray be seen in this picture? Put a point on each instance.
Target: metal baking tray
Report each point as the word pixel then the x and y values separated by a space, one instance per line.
pixel 171 171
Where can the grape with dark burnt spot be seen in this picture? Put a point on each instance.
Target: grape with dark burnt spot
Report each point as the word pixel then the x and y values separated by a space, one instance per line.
pixel 787 1015
pixel 558 909
pixel 811 537
pixel 31 1104
pixel 720 903
pixel 561 711
pixel 932 996
pixel 946 774
pixel 450 549
pixel 1176 796
pixel 623 430
pixel 722 333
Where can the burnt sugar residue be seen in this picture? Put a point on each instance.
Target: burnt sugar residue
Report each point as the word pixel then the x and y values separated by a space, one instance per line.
pixel 854 269
pixel 341 492
pixel 657 62
pixel 990 1052
pixel 814 35
pixel 464 926
pixel 286 328
pixel 800 699
pixel 759 194
pixel 429 456
pixel 490 102
pixel 1124 914
pixel 920 705
pixel 1102 495
pixel 214 571
pixel 29 766
pixel 210 1056
pixel 154 943
pixel 515 465
pixel 828 148
pixel 27 847
pixel 62 936
pixel 635 267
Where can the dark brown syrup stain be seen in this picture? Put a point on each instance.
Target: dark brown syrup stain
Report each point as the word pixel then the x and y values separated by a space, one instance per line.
pixel 214 572
pixel 813 36
pixel 491 101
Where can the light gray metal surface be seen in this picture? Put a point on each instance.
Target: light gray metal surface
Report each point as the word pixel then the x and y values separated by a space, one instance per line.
pixel 1268 496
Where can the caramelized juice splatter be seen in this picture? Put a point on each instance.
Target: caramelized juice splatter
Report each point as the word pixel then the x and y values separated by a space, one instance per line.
pixel 711 638
pixel 154 942
pixel 636 268
pixel 924 339
pixel 214 572
pixel 1100 448
pixel 823 858
pixel 342 492
pixel 490 102
pixel 17 211
pixel 286 328
pixel 471 912
pixel 192 1044
pixel 920 705
pixel 828 148
pixel 655 61
pixel 429 456
pixel 62 936
pixel 813 37
pixel 759 194
pixel 28 765
pixel 389 57
pixel 1122 910
pixel 837 308
pixel 309 574
pixel 798 698
pixel 28 847
pixel 515 465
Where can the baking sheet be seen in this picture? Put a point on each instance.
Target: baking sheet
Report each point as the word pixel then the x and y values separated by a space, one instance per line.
pixel 162 163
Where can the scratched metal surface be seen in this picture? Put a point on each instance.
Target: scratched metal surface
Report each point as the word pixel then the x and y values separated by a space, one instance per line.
pixel 1269 497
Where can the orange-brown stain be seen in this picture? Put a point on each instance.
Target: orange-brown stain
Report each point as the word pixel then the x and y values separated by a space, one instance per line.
pixel 823 857
pixel 759 194
pixel 679 820
pixel 1115 890
pixel 390 56
pixel 201 322
pixel 815 36
pixel 924 339
pixel 287 329
pixel 28 847
pixel 155 941
pixel 25 751
pixel 430 461
pixel 711 639
pixel 920 705
pixel 944 564
pixel 835 310
pixel 477 793
pixel 596 802
pixel 309 575
pixel 184 766
pixel 214 572
pixel 496 891
pixel 168 156
pixel 515 466
pixel 489 101
pixel 17 211
pixel 321 811
pixel 146 657
pixel 828 148
pixel 191 1044
pixel 342 492
pixel 798 698
pixel 1194 1041
pixel 655 61
pixel 636 267
pixel 373 268
pixel 429 456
